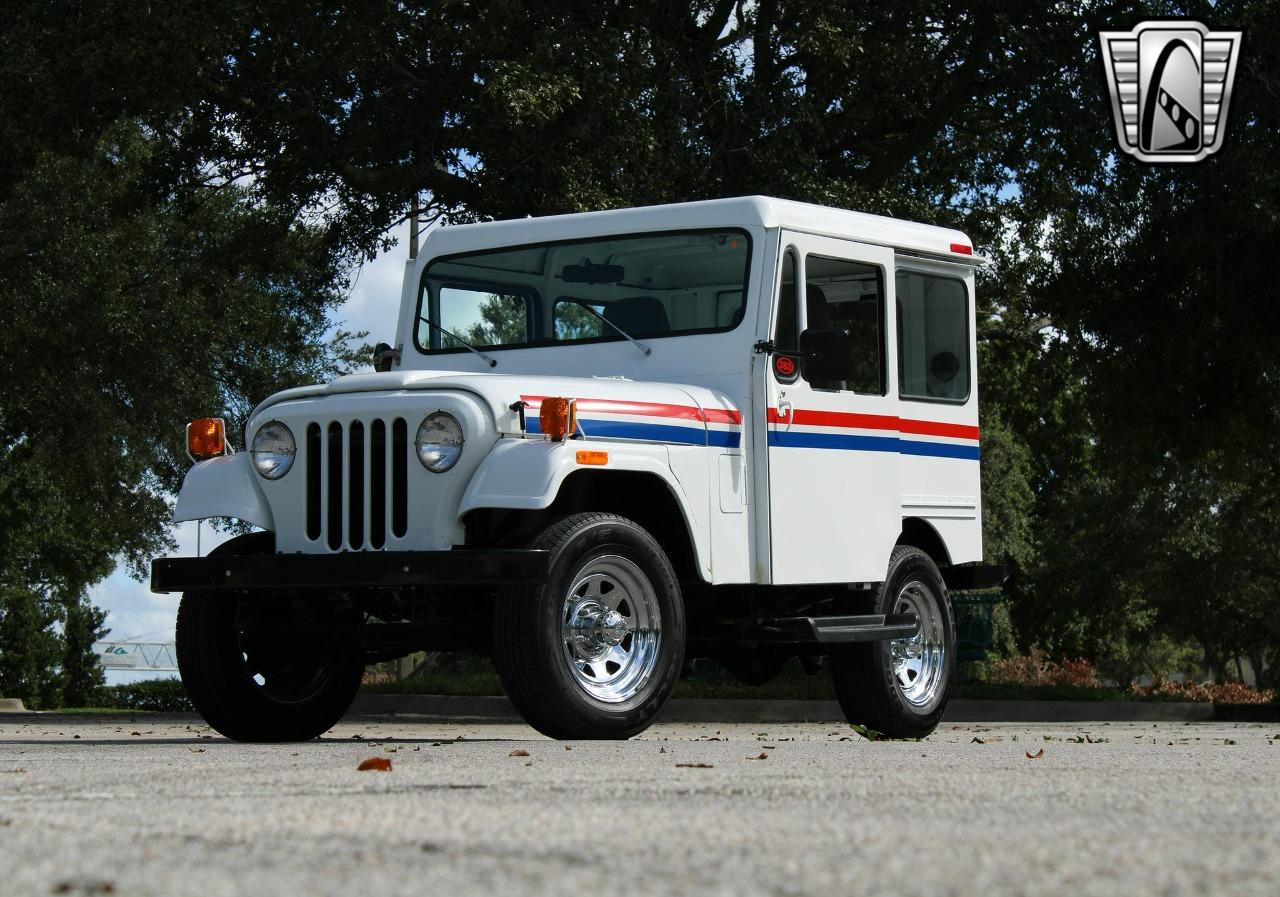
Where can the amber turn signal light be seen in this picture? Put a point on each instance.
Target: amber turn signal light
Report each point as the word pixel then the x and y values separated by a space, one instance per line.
pixel 596 458
pixel 557 418
pixel 206 438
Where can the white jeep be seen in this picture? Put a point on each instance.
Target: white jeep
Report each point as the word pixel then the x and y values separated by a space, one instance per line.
pixel 604 443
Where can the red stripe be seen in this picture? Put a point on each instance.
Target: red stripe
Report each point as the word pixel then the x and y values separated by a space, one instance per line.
pixel 648 409
pixel 723 416
pixel 937 428
pixel 848 420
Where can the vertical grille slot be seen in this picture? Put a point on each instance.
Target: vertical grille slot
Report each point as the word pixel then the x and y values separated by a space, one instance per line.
pixel 355 486
pixel 377 484
pixel 399 478
pixel 335 486
pixel 313 482
pixel 357 483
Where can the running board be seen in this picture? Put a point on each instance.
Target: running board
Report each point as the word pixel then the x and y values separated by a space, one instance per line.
pixel 841 630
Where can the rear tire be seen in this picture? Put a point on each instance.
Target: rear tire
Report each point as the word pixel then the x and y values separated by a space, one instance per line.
pixel 595 651
pixel 900 687
pixel 243 687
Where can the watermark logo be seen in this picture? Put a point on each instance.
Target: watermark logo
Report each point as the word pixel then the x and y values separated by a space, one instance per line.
pixel 1170 86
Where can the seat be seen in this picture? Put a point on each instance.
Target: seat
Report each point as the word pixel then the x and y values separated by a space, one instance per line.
pixel 819 314
pixel 638 315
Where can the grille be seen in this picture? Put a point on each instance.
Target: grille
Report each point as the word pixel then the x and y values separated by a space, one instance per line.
pixel 357 482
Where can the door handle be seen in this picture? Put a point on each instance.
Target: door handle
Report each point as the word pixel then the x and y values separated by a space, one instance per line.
pixel 784 410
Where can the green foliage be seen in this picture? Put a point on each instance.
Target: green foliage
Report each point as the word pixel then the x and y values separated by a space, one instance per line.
pixel 155 695
pixel 178 198
pixel 29 650
pixel 82 677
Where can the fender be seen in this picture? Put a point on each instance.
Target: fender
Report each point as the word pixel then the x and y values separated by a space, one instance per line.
pixel 526 474
pixel 226 486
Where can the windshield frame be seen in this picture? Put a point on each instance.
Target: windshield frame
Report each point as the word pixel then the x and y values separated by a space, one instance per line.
pixel 534 310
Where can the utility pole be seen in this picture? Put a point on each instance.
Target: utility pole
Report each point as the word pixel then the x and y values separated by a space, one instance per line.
pixel 413 226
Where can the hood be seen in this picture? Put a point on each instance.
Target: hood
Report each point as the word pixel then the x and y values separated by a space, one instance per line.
pixel 608 396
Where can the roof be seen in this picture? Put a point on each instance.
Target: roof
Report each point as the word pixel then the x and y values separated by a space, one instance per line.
pixel 758 211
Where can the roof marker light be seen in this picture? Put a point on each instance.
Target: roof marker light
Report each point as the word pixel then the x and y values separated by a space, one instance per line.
pixel 962 249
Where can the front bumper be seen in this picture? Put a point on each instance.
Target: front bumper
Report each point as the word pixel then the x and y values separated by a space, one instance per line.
pixel 351 570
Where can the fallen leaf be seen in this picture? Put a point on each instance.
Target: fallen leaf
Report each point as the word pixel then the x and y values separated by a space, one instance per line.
pixel 196 750
pixel 977 740
pixel 865 731
pixel 1036 756
pixel 518 753
pixel 568 747
pixel 763 756
pixel 135 733
pixel 661 749
pixel 84 886
pixel 695 765
pixel 378 764
pixel 1228 741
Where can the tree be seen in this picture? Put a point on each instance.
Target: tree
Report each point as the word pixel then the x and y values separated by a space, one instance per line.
pixel 28 648
pixel 290 138
pixel 82 625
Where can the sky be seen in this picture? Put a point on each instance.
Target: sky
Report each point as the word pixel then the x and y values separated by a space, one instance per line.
pixel 133 612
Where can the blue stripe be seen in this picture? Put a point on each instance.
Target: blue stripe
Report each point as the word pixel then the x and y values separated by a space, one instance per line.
pixel 614 429
pixel 940 450
pixel 724 438
pixel 797 439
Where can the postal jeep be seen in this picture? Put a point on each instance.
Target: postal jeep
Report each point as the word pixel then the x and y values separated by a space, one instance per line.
pixel 601 445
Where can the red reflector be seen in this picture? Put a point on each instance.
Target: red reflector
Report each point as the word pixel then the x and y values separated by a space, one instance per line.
pixel 962 249
pixel 786 367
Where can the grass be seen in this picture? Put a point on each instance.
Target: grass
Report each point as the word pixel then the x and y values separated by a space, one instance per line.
pixel 478 679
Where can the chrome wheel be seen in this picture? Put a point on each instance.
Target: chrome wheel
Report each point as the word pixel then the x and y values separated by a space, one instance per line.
pixel 611 629
pixel 920 662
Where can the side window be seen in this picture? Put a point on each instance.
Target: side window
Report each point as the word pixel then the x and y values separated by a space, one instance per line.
pixel 933 337
pixel 478 316
pixel 847 295
pixel 785 335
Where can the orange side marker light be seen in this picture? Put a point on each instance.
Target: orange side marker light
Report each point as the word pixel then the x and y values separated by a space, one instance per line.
pixel 594 458
pixel 206 438
pixel 557 418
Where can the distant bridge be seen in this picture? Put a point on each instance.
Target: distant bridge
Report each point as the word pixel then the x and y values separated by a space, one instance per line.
pixel 152 656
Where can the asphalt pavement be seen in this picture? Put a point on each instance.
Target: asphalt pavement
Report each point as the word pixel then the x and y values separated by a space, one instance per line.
pixel 148 805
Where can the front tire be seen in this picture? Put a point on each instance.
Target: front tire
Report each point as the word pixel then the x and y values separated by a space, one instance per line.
pixel 901 687
pixel 595 651
pixel 245 686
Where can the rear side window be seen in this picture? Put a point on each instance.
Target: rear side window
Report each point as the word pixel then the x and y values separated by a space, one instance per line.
pixel 933 337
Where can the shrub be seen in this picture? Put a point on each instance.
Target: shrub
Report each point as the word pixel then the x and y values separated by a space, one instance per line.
pixel 159 695
pixel 1217 693
pixel 1035 669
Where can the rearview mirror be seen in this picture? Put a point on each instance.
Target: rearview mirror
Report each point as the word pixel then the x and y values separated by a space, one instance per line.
pixel 826 356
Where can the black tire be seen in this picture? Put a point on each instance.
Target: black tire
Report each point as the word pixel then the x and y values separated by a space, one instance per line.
pixel 211 646
pixel 533 655
pixel 866 684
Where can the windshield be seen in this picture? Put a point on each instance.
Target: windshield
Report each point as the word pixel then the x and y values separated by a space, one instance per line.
pixel 641 286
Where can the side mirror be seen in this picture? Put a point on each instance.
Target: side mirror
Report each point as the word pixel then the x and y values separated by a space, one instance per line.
pixel 826 356
pixel 384 357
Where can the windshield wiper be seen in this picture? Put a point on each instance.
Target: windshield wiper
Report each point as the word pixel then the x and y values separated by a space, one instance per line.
pixel 581 303
pixel 459 341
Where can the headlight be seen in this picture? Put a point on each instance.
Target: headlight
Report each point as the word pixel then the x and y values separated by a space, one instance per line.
pixel 439 442
pixel 273 450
